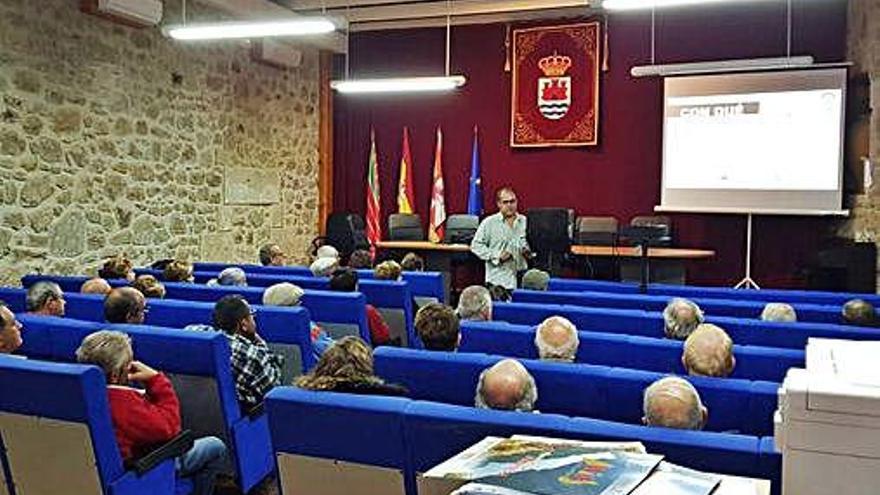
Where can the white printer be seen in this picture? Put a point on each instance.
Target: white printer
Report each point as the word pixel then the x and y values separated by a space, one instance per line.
pixel 827 425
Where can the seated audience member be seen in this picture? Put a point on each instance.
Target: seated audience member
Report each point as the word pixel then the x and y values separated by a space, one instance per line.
pixel 672 402
pixel 232 276
pixel 125 305
pixel 347 366
pixel 859 312
pixel 500 293
pixel 387 270
pixel 10 330
pixel 681 317
pixel 346 280
pixel 95 285
pixel 557 340
pixel 412 263
pixel 178 271
pixel 506 385
pixel 360 259
pixel 272 255
pixel 778 312
pixel 287 294
pixel 45 298
pixel 117 267
pixel 255 367
pixel 535 279
pixel 327 251
pixel 149 286
pixel 324 267
pixel 437 327
pixel 475 304
pixel 708 351
pixel 144 418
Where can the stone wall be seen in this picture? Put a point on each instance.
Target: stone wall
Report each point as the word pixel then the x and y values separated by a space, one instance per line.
pixel 864 52
pixel 115 139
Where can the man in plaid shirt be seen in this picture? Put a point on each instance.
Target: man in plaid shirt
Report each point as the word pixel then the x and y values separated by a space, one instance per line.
pixel 256 369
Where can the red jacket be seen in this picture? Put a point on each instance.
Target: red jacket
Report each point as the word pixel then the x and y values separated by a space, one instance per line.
pixel 378 328
pixel 144 419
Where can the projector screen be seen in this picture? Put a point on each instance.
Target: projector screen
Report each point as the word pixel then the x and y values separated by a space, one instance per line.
pixel 769 142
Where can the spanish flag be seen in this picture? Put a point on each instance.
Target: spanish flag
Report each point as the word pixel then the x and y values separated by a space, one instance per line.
pixel 405 196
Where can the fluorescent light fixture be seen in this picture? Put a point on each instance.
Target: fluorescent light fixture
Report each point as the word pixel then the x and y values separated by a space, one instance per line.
pixel 657 4
pixel 236 30
pixel 399 85
pixel 719 66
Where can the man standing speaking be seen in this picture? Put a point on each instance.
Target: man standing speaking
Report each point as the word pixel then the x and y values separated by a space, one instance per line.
pixel 500 241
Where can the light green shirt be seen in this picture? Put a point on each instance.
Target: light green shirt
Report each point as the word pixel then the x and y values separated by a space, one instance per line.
pixel 495 236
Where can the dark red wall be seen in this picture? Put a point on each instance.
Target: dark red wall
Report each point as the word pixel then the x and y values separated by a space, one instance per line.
pixel 620 176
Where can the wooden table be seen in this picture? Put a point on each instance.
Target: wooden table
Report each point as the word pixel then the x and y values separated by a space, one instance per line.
pixel 635 252
pixel 438 257
pixel 666 265
pixel 424 246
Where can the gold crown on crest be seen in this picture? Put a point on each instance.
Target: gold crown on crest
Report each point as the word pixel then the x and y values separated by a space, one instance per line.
pixel 554 65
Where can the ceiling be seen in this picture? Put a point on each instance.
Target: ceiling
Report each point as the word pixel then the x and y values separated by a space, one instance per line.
pixel 370 15
pixel 373 15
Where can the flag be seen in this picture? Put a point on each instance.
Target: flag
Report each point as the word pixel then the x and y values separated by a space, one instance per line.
pixel 475 188
pixel 374 206
pixel 438 203
pixel 405 196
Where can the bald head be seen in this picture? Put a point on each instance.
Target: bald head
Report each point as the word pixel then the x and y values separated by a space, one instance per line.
pixel 95 285
pixel 681 317
pixel 557 339
pixel 859 312
pixel 708 351
pixel 673 402
pixel 507 385
pixel 125 305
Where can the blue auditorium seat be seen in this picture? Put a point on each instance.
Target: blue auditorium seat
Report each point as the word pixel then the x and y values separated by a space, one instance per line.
pixel 59 438
pixel 711 306
pixel 775 295
pixel 320 436
pixel 341 427
pixel 339 313
pixel 198 365
pixel 598 392
pixel 626 351
pixel 286 330
pixel 650 324
pixel 421 284
pixel 393 299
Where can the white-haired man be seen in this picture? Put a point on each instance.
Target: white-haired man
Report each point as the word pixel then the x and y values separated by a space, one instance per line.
pixel 45 298
pixel 780 312
pixel 708 351
pixel 144 418
pixel 475 304
pixel 508 386
pixel 557 340
pixel 287 294
pixel 681 317
pixel 673 402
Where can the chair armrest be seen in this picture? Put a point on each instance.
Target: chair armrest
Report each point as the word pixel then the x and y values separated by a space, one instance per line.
pixel 172 449
pixel 256 411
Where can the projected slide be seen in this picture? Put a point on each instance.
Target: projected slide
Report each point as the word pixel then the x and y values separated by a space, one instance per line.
pixel 779 140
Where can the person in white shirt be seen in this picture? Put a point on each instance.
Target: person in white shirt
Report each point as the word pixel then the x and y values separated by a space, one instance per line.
pixel 500 241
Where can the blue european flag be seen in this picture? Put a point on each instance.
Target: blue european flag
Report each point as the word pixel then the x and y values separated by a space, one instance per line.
pixel 475 189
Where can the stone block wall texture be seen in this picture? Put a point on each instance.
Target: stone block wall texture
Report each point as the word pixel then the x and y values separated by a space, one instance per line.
pixel 116 139
pixel 864 52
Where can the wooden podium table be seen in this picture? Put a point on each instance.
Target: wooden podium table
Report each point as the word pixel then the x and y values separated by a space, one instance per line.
pixel 666 264
pixel 635 252
pixel 424 246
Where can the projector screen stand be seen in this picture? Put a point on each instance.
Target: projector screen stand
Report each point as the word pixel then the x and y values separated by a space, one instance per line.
pixel 747 282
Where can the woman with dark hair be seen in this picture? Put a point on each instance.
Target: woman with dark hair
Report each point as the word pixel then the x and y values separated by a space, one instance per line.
pixel 347 366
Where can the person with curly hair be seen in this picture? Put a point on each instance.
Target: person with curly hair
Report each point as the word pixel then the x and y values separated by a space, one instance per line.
pixel 347 366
